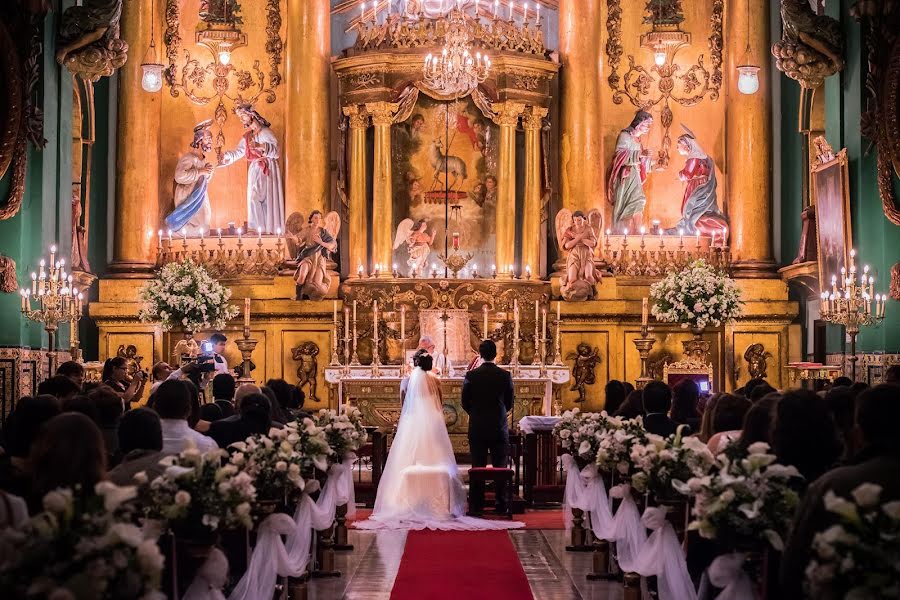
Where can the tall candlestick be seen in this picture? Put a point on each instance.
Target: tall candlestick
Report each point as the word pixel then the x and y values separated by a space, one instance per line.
pixel 402 322
pixel 346 323
pixel 484 327
pixel 544 324
pixel 536 311
pixel 354 314
pixel 644 311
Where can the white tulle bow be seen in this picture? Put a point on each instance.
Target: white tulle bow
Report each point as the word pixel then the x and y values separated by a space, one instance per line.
pixel 727 572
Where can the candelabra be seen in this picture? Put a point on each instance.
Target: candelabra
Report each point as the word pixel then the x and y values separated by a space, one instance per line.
pixel 644 345
pixel 229 259
pixel 641 259
pixel 850 305
pixel 58 302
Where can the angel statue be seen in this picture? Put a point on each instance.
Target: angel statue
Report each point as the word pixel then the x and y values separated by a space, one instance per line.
pixel 583 369
pixel 317 241
pixel 93 21
pixel 631 165
pixel 699 208
pixel 418 242
pixel 577 238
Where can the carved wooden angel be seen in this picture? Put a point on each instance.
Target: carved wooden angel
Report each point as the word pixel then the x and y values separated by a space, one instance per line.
pixel 418 242
pixel 578 236
pixel 307 355
pixel 317 241
pixel 586 360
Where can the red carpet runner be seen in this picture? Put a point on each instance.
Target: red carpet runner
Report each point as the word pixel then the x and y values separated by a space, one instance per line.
pixel 533 519
pixel 455 565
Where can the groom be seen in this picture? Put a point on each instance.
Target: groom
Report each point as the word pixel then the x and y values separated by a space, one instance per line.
pixel 487 395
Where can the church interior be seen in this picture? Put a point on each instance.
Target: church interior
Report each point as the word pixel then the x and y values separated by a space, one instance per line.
pixel 298 199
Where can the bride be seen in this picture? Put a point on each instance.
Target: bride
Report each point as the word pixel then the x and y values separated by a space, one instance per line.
pixel 420 486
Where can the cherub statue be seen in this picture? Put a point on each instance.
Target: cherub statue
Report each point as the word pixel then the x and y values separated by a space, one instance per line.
pixel 186 349
pixel 132 360
pixel 316 241
pixel 756 357
pixel 418 242
pixel 306 354
pixel 586 360
pixel 577 236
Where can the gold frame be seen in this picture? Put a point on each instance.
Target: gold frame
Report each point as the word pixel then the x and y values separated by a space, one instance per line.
pixel 826 160
pixel 688 367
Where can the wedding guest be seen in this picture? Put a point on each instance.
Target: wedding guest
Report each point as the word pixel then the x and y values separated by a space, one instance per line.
pixel 841 403
pixel 804 435
pixel 141 443
pixel 211 413
pixel 892 374
pixel 282 390
pixel 109 411
pixel 751 385
pixel 115 375
pixel 706 418
pixel 72 370
pixel 160 372
pixel 60 386
pixel 173 405
pixel 614 393
pixel 727 421
pixel 223 393
pixel 244 391
pixel 763 389
pixel 194 420
pixel 632 407
pixel 84 405
pixel 877 415
pixel 841 381
pixel 20 433
pixel 628 388
pixel 68 452
pixel 758 422
pixel 859 387
pixel 254 416
pixel 657 399
pixel 277 418
pixel 685 398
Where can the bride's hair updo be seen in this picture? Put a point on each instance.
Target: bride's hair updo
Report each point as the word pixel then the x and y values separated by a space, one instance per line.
pixel 425 362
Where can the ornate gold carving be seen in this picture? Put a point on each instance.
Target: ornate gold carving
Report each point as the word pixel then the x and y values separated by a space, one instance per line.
pixel 895 281
pixel 656 362
pixel 132 360
pixel 307 355
pixel 757 356
pixel 526 82
pixel 228 259
pixel 646 88
pixel 534 117
pixel 824 152
pixel 507 113
pixel 811 45
pixel 274 43
pixel 359 119
pixel 382 112
pixel 585 360
pixel 365 80
pixel 8 280
pixel 96 61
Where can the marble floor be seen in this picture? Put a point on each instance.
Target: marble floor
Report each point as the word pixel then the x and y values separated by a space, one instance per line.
pixel 368 571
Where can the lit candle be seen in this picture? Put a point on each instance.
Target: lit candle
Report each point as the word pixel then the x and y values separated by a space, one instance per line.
pixel 362 12
pixel 259 235
pixel 170 237
pixel 33 282
pixel 724 237
pixel 544 324
pixel 528 271
pixel 246 313
pixel 493 270
pixel 402 322
pixel 525 13
pixel 681 237
pixel 240 232
pixel 512 6
pixel 712 242
pixel 823 304
pixel 359 271
pixel 496 7
pixel 698 239
pixel 52 254
pixel 484 326
pixel 643 231
pixel 375 321
pixel 645 311
pixel 346 322
pixel 184 233
pixel 219 232
pixel 537 16
pixel 24 302
pixel 558 310
pixel 160 237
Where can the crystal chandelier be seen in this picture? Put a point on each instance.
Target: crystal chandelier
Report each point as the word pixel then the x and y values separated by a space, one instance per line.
pixel 455 72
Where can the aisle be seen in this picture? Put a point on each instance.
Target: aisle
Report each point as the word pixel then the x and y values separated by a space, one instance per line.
pixel 460 564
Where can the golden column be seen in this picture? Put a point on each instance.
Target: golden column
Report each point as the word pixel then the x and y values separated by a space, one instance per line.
pixel 382 194
pixel 137 160
pixel 359 218
pixel 531 210
pixel 507 117
pixel 581 136
pixel 748 134
pixel 307 176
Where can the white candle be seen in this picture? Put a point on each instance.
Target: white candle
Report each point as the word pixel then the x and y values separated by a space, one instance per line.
pixel 496 7
pixel 346 323
pixel 354 313
pixel 525 14
pixel 484 327
pixel 558 309
pixel 219 232
pixel 537 17
pixel 512 6
pixel 402 322
pixel 246 313
pixel 334 312
pixel 362 12
pixel 544 324
pixel 536 311
pixel 644 311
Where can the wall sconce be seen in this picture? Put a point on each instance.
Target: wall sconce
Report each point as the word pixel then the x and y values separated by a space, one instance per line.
pixel 151 76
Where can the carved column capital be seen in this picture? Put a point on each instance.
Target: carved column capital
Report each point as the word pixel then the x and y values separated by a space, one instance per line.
pixel 359 118
pixel 534 117
pixel 507 113
pixel 382 112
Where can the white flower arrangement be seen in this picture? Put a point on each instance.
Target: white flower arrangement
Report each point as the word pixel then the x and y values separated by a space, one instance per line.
pixel 744 500
pixel 196 495
pixel 579 433
pixel 83 546
pixel 272 461
pixel 660 463
pixel 697 296
pixel 344 431
pixel 616 443
pixel 311 445
pixel 185 295
pixel 859 556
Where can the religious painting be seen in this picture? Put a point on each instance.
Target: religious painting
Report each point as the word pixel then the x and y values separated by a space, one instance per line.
pixel 445 186
pixel 832 197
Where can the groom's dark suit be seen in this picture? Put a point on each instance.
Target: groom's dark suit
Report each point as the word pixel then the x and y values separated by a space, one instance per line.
pixel 487 395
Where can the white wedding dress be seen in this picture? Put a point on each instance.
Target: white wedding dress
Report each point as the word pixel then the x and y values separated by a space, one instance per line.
pixel 420 487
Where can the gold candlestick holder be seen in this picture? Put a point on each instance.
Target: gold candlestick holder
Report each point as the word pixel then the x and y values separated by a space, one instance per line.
pixel 376 358
pixel 644 345
pixel 246 346
pixel 537 360
pixel 335 361
pixel 354 360
pixel 557 353
pixel 543 355
pixel 346 340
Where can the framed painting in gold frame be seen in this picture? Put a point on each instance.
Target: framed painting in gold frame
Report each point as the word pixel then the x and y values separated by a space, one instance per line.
pixel 831 192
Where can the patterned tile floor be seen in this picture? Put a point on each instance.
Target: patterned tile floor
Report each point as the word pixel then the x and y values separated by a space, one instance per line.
pixel 368 571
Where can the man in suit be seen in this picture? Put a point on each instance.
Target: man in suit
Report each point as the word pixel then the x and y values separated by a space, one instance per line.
pixel 254 416
pixel 487 396
pixel 657 402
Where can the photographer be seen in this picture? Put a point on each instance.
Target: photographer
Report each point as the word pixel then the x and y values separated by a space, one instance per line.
pixel 115 375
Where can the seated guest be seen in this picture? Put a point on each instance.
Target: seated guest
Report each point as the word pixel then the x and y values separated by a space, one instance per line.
pixel 804 435
pixel 628 388
pixel 283 393
pixel 278 419
pixel 223 393
pixel 210 413
pixel 615 396
pixel 68 452
pixel 685 398
pixel 109 411
pixel 892 374
pixel 21 431
pixel 758 422
pixel 115 375
pixel 254 416
pixel 841 381
pixel 298 399
pixel 763 389
pixel 727 420
pixel 877 415
pixel 859 387
pixel 84 405
pixel 751 385
pixel 60 386
pixel 141 442
pixel 244 391
pixel 173 405
pixel 706 418
pixel 632 407
pixel 657 398
pixel 841 403
pixel 73 371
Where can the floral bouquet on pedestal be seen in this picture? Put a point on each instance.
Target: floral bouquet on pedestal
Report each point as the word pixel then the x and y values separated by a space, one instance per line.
pixel 859 556
pixel 273 462
pixel 185 295
pixel 82 546
pixel 698 296
pixel 660 463
pixel 196 496
pixel 344 431
pixel 579 433
pixel 616 443
pixel 743 502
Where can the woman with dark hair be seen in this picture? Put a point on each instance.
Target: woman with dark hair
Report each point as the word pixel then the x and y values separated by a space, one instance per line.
pixel 706 419
pixel 633 406
pixel 68 452
pixel 115 375
pixel 109 411
pixel 282 390
pixel 22 427
pixel 685 396
pixel 615 396
pixel 727 418
pixel 758 422
pixel 278 418
pixel 141 441
pixel 841 403
pixel 804 434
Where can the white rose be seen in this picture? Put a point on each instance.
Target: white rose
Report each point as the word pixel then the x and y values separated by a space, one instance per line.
pixel 182 498
pixel 866 494
pixel 585 447
pixel 281 466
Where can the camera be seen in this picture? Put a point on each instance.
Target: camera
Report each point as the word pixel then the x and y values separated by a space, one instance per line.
pixel 207 347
